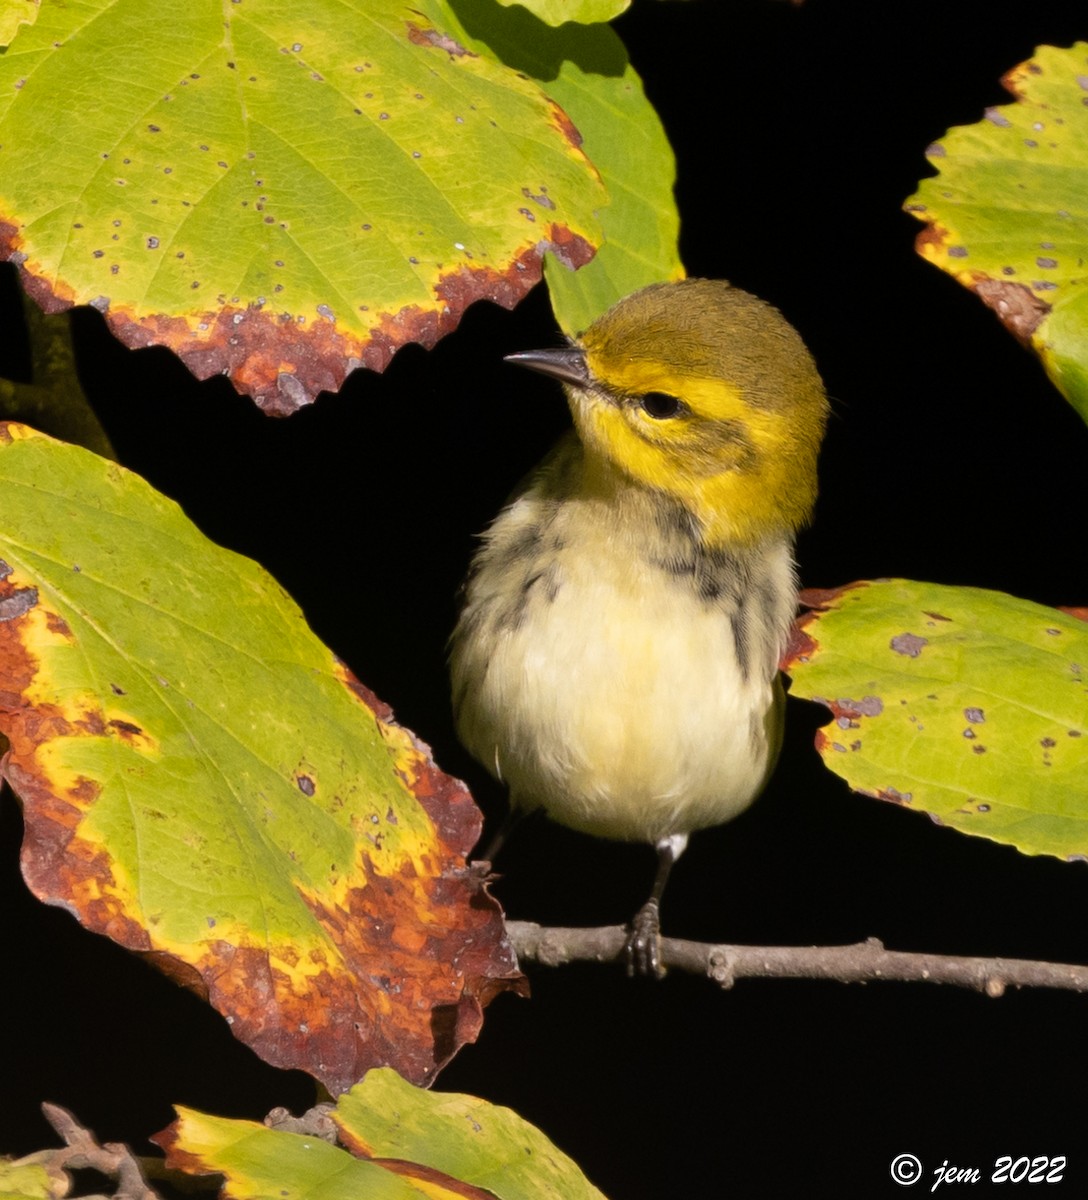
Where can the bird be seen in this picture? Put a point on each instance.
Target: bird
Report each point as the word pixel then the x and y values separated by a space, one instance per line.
pixel 615 660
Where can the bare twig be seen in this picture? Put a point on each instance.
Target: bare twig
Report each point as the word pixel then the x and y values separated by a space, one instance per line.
pixel 82 1151
pixel 317 1122
pixel 864 962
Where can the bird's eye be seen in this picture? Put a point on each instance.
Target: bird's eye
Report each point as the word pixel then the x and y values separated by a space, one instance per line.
pixel 660 405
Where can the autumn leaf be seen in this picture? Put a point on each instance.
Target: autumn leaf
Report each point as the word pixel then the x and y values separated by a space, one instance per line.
pixel 966 704
pixel 1006 214
pixel 280 193
pixel 204 782
pixel 406 1142
pixel 587 71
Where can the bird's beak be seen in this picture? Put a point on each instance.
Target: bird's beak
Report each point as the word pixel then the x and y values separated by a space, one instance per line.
pixel 568 364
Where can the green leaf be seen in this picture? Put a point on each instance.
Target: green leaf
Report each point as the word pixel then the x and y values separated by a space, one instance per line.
pixel 487 1146
pixel 966 704
pixel 1008 214
pixel 268 1164
pixel 27 1179
pixel 279 192
pixel 53 402
pixel 410 1143
pixel 555 12
pixel 587 72
pixel 204 781
pixel 14 13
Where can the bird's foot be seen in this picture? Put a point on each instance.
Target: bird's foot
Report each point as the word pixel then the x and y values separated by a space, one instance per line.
pixel 643 946
pixel 479 871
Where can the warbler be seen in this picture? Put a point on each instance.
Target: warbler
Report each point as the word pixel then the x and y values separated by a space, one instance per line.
pixel 615 662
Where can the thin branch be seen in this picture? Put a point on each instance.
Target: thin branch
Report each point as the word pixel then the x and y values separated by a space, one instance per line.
pixel 317 1122
pixel 82 1150
pixel 864 962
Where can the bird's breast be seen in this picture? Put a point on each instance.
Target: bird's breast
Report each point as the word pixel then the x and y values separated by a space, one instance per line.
pixel 614 674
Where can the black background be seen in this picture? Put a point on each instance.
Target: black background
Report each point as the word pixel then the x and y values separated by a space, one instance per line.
pixel 799 132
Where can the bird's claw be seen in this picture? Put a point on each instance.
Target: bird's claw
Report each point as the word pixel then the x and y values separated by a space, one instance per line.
pixel 479 872
pixel 643 946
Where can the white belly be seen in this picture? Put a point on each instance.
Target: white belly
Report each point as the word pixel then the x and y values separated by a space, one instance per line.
pixel 618 705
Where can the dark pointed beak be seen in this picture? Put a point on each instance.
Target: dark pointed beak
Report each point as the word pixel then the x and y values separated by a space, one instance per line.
pixel 568 364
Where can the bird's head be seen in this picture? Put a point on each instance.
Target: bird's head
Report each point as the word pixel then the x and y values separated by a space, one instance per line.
pixel 701 391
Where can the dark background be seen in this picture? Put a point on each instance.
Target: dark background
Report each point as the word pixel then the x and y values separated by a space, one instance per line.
pixel 799 132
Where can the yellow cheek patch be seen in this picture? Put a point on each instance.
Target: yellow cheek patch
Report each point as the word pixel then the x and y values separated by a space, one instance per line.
pixel 742 476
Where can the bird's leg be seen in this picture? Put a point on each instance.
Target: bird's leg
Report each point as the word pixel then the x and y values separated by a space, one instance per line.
pixel 643 947
pixel 512 819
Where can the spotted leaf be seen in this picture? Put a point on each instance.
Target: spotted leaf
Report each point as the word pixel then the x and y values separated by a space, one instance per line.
pixel 587 72
pixel 280 192
pixel 1007 215
pixel 966 704
pixel 205 783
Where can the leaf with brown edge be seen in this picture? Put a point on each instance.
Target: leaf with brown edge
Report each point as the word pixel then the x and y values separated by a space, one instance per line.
pixel 404 1141
pixel 269 1164
pixel 966 704
pixel 1006 215
pixel 279 192
pixel 587 71
pixel 204 782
